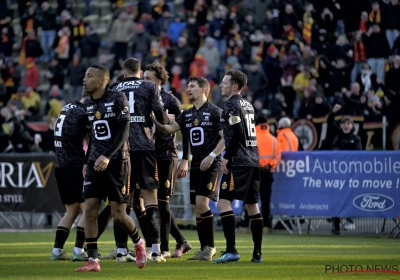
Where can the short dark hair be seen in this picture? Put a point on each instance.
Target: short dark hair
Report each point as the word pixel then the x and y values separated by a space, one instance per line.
pixel 202 82
pixel 238 78
pixel 159 71
pixel 131 65
pixel 104 70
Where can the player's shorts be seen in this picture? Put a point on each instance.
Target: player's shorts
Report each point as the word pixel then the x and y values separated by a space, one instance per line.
pixel 70 184
pixel 144 173
pixel 111 183
pixel 166 176
pixel 241 183
pixel 204 183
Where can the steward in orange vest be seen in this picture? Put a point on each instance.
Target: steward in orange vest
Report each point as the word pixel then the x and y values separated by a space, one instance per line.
pixel 287 140
pixel 269 157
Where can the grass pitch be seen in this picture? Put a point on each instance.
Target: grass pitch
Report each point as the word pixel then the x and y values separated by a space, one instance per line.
pixel 25 255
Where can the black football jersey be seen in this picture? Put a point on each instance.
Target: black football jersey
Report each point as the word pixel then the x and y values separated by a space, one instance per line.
pixel 166 146
pixel 143 97
pixel 236 110
pixel 202 128
pixel 69 131
pixel 103 115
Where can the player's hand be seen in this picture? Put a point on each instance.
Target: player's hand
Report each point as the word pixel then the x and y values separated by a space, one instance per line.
pixel 84 170
pixel 206 163
pixel 224 165
pixel 101 164
pixel 182 169
pixel 171 117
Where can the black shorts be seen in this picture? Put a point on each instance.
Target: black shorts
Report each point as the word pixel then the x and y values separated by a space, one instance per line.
pixel 204 183
pixel 166 176
pixel 70 184
pixel 241 183
pixel 144 173
pixel 111 183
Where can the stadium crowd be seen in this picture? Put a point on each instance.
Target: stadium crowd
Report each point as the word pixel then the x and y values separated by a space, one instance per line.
pixel 301 57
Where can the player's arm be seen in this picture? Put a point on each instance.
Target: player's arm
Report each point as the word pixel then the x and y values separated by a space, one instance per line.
pixel 183 167
pixel 165 128
pixel 236 126
pixel 157 106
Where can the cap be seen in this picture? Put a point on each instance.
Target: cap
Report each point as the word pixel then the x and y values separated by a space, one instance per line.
pixel 346 118
pixel 271 49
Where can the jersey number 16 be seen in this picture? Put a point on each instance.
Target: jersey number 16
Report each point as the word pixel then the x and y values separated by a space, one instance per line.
pixel 251 128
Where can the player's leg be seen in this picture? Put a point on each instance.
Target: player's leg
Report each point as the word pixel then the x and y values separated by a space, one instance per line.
pixel 166 176
pixel 121 241
pixel 79 254
pixel 149 185
pixel 234 185
pixel 93 192
pixel 166 184
pixel 194 181
pixel 140 212
pixel 256 219
pixel 117 175
pixel 62 233
pixel 206 189
pixel 70 189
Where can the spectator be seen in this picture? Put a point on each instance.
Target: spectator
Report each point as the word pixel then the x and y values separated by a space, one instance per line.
pixel 122 31
pixel 211 54
pixel 218 31
pixel 175 28
pixel 32 74
pixel 392 80
pixel 377 50
pixel 49 26
pixel 76 72
pixel 6 44
pixel 30 47
pixel 367 79
pixel 342 138
pixel 63 46
pixel 56 74
pixel 30 102
pixel 257 83
pixel 141 41
pixel 90 46
pixel 272 69
pixel 30 21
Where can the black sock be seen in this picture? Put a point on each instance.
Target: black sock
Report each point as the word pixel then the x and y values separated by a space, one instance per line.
pixel 228 225
pixel 141 217
pixel 199 225
pixel 62 234
pixel 256 225
pixel 175 231
pixel 153 223
pixel 208 227
pixel 165 223
pixel 103 220
pixel 80 237
pixel 120 235
pixel 134 235
pixel 92 248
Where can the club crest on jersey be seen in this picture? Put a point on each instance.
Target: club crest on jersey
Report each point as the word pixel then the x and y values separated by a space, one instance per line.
pixel 123 191
pixel 167 184
pixel 224 185
pixel 234 120
pixel 98 115
pixel 196 122
pixel 209 186
pixel 137 186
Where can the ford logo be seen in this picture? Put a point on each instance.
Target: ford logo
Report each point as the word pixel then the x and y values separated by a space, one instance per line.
pixel 373 202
